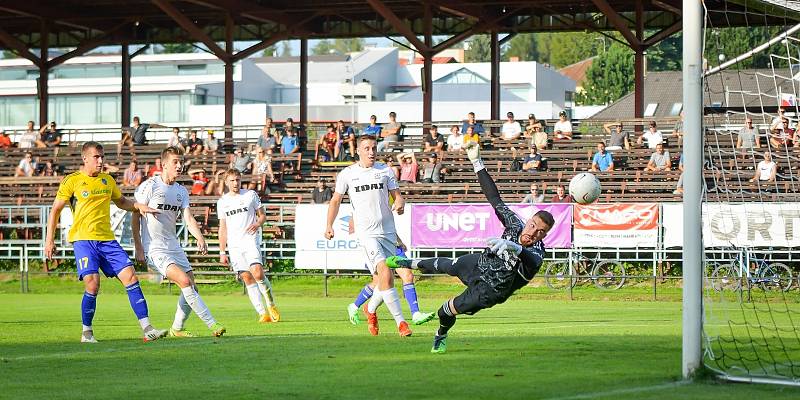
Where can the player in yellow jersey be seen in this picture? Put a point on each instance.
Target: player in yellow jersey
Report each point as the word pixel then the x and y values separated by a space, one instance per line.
pixel 89 193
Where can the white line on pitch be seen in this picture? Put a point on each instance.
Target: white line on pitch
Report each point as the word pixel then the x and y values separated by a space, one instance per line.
pixel 622 391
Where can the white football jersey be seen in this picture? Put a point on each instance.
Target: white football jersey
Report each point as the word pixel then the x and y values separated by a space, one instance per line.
pixel 159 230
pixel 368 189
pixel 239 212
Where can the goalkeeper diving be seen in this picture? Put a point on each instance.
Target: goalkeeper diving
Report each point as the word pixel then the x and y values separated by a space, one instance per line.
pixel 492 276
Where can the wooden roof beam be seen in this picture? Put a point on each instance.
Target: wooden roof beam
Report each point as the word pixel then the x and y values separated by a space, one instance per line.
pixel 193 30
pixel 18 46
pixel 617 21
pixel 398 24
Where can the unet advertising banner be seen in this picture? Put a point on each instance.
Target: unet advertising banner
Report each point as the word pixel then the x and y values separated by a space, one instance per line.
pixel 616 225
pixel 341 252
pixel 470 225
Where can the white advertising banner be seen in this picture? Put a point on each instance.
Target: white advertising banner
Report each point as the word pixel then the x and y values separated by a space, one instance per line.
pixel 343 251
pixel 615 225
pixel 743 225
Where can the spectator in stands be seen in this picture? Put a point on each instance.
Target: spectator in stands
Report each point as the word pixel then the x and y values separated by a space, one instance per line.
pixel 561 196
pixel 176 141
pixel 26 166
pixel 199 182
pixel 299 133
pixel 241 161
pixel 194 144
pixel 782 136
pixel 49 169
pixel 677 130
pixel 433 141
pixel 748 136
pixel 49 136
pixel 533 161
pixel 155 169
pixel 139 132
pixel 391 132
pixel 563 128
pixel 132 176
pixel 455 140
pixel 390 163
pixel 679 186
pixel 329 144
pixel 659 160
pixel 408 167
pixel 619 137
pixel 262 169
pixel 534 196
pixel 211 144
pixel 777 122
pixel 766 170
pixel 5 140
pixel 602 161
pixel 511 129
pixel 28 138
pixel 796 137
pixel 652 135
pixel 373 129
pixel 269 138
pixel 535 132
pixel 289 144
pixel 347 138
pixel 432 170
pixel 471 136
pixel 321 193
pixel 471 122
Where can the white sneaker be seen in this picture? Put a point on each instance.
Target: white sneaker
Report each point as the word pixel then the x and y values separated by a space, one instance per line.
pixel 153 334
pixel 89 339
pixel 420 318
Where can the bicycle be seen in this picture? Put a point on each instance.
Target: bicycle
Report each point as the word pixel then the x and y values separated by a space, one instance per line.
pixel 768 275
pixel 606 275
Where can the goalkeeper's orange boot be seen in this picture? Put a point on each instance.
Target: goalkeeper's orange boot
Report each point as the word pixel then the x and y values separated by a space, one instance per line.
pixel 372 321
pixel 403 329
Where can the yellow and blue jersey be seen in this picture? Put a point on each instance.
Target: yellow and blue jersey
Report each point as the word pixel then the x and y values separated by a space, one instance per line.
pixel 89 197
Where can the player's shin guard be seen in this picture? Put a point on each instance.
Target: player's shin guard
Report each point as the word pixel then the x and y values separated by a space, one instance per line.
pixel 410 293
pixel 265 287
pixel 375 301
pixel 88 305
pixel 363 296
pixel 255 298
pixel 198 306
pixel 446 319
pixel 392 301
pixel 181 314
pixel 138 303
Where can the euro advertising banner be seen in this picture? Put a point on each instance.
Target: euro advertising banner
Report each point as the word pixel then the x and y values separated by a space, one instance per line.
pixel 616 225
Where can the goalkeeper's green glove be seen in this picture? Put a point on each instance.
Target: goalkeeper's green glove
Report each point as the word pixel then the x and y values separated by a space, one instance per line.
pixel 474 154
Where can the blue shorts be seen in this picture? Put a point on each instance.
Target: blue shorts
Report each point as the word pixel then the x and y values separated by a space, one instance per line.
pixel 91 256
pixel 400 252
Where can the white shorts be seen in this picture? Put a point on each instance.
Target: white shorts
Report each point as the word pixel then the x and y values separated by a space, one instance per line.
pixel 377 249
pixel 159 260
pixel 242 258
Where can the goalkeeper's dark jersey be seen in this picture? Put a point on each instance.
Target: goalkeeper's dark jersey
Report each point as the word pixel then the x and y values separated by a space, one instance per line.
pixel 506 272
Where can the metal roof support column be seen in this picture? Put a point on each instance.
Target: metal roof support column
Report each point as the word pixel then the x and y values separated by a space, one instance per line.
pixel 125 95
pixel 304 81
pixel 639 65
pixel 44 74
pixel 495 75
pixel 427 70
pixel 228 77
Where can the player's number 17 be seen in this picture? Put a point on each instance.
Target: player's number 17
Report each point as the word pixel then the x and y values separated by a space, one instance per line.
pixel 83 263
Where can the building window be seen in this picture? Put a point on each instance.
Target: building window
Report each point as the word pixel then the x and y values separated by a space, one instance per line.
pixel 676 109
pixel 192 69
pixel 650 110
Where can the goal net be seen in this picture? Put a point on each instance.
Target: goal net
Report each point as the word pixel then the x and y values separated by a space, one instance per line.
pixel 751 214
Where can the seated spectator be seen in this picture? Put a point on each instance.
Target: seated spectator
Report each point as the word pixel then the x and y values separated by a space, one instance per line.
pixel 471 136
pixel 534 196
pixel 194 145
pixel 289 143
pixel 433 141
pixel 156 169
pixel 321 194
pixel 199 182
pixel 5 140
pixel 29 138
pixel 748 136
pixel 299 133
pixel 26 166
pixel 389 163
pixel 329 144
pixel 677 130
pixel 455 140
pixel 347 139
pixel 49 169
pixel 563 128
pixel 241 161
pixel 432 170
pixel 561 196
pixel 766 170
pixel 132 176
pixel 535 132
pixel 796 137
pixel 679 186
pixel 176 140
pixel 50 136
pixel 471 122
pixel 619 138
pixel 262 169
pixel 602 161
pixel 777 122
pixel 511 129
pixel 211 144
pixel 533 161
pixel 269 138
pixel 659 160
pixel 782 136
pixel 391 132
pixel 408 167
pixel 652 135
pixel 139 132
pixel 373 129
pixel 125 140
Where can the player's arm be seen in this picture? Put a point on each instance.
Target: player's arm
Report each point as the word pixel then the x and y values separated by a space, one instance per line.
pixel 194 229
pixel 261 217
pixel 128 205
pixel 488 187
pixel 52 223
pixel 223 241
pixel 399 203
pixel 333 211
pixel 138 249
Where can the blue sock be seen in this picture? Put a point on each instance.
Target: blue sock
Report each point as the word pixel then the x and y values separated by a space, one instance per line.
pixel 365 294
pixel 136 298
pixel 410 292
pixel 88 305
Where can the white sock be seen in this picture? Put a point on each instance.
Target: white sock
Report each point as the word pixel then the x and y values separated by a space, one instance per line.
pixel 255 298
pixel 374 301
pixel 415 263
pixel 144 322
pixel 266 290
pixel 181 314
pixel 392 301
pixel 86 328
pixel 198 306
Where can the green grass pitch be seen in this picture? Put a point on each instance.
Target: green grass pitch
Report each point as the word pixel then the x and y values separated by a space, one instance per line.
pixel 531 347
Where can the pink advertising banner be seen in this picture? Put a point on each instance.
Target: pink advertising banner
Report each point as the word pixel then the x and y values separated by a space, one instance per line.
pixel 470 225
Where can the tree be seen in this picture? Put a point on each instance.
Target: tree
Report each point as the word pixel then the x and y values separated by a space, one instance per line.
pixel 523 46
pixel 286 49
pixel 9 54
pixel 562 49
pixel 609 78
pixel 324 46
pixel 344 46
pixel 667 55
pixel 479 49
pixel 171 48
pixel 269 52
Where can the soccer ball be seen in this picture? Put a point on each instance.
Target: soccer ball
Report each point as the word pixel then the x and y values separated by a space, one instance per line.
pixel 584 188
